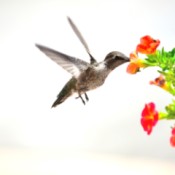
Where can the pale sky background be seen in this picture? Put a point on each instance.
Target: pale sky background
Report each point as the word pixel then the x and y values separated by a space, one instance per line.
pixel 30 82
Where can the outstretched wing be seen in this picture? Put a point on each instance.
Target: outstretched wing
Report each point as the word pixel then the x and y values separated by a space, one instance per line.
pixel 79 35
pixel 72 65
pixel 82 40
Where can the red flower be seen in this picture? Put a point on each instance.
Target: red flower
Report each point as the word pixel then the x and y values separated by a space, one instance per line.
pixel 173 131
pixel 132 68
pixel 147 45
pixel 135 64
pixel 149 117
pixel 160 81
pixel 172 138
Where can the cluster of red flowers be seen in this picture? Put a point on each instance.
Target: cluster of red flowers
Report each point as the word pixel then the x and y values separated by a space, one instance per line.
pixel 147 45
pixel 150 115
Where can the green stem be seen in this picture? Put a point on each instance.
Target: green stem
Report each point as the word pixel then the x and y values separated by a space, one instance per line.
pixel 162 115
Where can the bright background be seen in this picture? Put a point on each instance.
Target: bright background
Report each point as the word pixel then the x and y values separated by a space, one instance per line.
pixel 103 137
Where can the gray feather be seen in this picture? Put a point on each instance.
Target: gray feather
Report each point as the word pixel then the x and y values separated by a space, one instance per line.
pixel 71 64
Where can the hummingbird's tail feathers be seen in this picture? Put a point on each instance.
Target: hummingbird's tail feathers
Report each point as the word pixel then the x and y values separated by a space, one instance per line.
pixel 58 101
pixel 66 92
pixel 62 96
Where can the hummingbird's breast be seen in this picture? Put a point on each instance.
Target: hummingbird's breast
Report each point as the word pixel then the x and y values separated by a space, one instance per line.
pixel 91 79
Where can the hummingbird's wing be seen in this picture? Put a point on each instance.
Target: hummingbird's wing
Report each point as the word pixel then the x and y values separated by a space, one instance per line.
pixel 72 65
pixel 82 40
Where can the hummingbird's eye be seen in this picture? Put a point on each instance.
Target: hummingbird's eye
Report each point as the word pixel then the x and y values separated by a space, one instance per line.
pixel 118 57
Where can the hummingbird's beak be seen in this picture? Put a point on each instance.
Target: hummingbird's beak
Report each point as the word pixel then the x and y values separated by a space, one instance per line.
pixel 127 59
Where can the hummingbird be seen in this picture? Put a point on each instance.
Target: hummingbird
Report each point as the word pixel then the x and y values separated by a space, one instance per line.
pixel 85 76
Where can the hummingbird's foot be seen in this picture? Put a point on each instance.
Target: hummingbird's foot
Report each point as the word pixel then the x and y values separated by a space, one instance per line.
pixel 81 98
pixel 87 99
pixel 86 96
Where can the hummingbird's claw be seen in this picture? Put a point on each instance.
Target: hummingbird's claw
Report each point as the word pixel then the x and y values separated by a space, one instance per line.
pixel 87 99
pixel 82 99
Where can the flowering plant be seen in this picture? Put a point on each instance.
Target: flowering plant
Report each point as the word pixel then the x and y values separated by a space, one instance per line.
pixel 165 60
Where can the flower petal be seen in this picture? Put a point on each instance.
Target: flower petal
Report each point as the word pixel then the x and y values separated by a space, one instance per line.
pixel 172 140
pixel 147 45
pixel 173 131
pixel 145 40
pixel 132 68
pixel 149 117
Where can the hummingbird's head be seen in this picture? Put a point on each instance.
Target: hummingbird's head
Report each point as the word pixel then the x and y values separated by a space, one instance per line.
pixel 115 59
